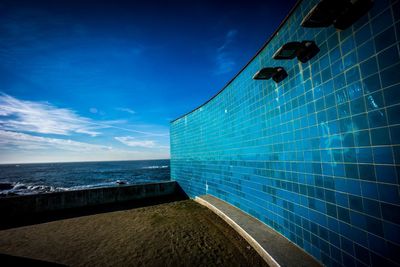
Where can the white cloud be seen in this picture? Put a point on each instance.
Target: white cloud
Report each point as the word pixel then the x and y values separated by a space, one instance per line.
pixel 42 117
pixel 93 110
pixel 128 110
pixel 45 118
pixel 229 37
pixel 22 141
pixel 132 141
pixel 25 127
pixel 224 61
pixel 21 148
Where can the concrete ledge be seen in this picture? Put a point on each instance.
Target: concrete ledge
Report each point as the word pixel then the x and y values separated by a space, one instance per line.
pixel 31 204
pixel 274 248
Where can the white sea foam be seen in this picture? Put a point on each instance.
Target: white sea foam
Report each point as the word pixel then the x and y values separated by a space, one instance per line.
pixel 156 167
pixel 25 189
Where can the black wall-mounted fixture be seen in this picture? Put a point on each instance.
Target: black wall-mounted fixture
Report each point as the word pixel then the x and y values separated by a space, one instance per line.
pixel 277 74
pixel 304 51
pixel 341 13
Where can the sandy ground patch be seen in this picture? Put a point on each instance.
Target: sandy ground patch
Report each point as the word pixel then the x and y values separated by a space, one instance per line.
pixel 181 233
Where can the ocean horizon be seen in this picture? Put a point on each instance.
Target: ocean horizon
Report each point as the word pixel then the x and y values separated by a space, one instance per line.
pixel 33 178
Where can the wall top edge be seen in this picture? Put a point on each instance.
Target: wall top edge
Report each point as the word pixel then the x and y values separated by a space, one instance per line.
pixel 248 63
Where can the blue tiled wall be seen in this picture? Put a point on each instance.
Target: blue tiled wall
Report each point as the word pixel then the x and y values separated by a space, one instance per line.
pixel 317 156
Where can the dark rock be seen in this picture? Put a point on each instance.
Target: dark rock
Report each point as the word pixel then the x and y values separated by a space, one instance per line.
pixel 6 186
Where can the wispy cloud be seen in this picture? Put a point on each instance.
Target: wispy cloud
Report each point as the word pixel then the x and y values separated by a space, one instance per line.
pixel 21 148
pixel 133 142
pixel 128 110
pixel 224 61
pixel 45 118
pixel 42 117
pixel 22 141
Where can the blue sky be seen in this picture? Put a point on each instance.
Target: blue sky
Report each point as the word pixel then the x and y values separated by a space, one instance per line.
pixel 100 80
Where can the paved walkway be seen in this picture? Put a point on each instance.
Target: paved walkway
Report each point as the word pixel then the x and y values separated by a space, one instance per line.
pixel 272 246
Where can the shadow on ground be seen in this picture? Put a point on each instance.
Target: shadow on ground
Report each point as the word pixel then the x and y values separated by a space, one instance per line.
pixel 30 219
pixel 11 261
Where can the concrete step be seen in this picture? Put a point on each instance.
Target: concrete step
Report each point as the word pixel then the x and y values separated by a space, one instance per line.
pixel 276 249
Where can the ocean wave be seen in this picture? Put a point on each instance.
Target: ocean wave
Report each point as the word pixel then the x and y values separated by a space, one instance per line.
pixel 18 189
pixel 156 167
pixel 13 189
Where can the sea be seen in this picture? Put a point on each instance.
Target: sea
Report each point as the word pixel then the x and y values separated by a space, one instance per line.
pixel 25 179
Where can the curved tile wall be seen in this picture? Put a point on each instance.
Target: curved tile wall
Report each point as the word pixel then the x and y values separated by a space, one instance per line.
pixel 317 156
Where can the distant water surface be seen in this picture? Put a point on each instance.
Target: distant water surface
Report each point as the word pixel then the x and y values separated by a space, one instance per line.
pixel 21 179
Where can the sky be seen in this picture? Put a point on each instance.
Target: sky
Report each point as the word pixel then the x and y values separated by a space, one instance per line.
pixel 101 80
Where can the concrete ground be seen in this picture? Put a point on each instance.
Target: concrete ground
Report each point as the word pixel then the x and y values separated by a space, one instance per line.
pixel 181 233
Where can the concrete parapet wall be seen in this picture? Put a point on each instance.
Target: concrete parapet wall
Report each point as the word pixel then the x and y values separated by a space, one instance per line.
pixel 31 204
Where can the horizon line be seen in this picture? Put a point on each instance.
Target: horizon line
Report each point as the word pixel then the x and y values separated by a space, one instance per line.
pixel 85 161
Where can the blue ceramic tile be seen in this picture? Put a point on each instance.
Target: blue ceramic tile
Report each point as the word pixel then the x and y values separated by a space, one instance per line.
pixel 324 61
pixel 374 101
pixel 367 172
pixel 339 81
pixel 355 203
pixel 348 45
pixel 326 74
pixel 355 90
pixel 357 219
pixel 353 186
pixel 390 212
pixel 397 27
pixel 378 245
pixel 371 84
pixel 390 76
pixel 396 11
pixel 317 156
pixel 395 134
pixel 363 34
pixel 350 59
pixel 364 154
pixel 382 21
pixel 334 54
pixel 389 193
pixel 386 174
pixel 337 68
pixel 377 118
pixel 357 106
pixel 366 50
pixel 383 155
pixel 374 226
pixel 362 253
pixel 369 190
pixel 372 207
pixel 393 114
pixel 333 41
pixel 369 67
pixel 380 136
pixel 352 75
pixel 360 121
pixel 363 138
pixel 343 110
pixel 379 7
pixel 396 152
pixel 391 232
pixel 343 214
pixel 388 57
pixel 392 95
pixel 343 35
